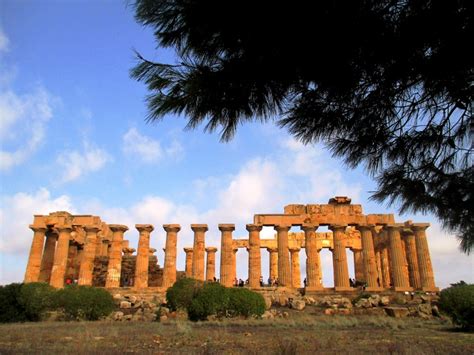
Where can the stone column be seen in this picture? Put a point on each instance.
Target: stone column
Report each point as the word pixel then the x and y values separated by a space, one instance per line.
pixel 36 251
pixel 234 264
pixel 199 250
pixel 273 259
pixel 378 259
pixel 295 267
pixel 358 265
pixel 412 259
pixel 48 257
pixel 88 255
pixel 115 256
pixel 143 255
pixel 188 271
pixel 169 268
pixel 284 272
pixel 211 263
pixel 255 263
pixel 387 281
pixel 313 264
pixel 368 258
pixel 400 279
pixel 226 254
pixel 341 272
pixel 60 256
pixel 424 260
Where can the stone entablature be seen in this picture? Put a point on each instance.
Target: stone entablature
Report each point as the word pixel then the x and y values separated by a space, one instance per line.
pixel 386 254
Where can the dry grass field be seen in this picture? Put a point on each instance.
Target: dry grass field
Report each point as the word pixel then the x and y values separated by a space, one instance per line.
pixel 301 334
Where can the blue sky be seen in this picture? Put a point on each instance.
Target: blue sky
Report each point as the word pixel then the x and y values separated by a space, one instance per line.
pixel 73 136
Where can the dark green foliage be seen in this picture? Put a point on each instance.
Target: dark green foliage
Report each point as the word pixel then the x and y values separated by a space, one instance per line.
pixel 361 296
pixel 10 308
pixel 385 84
pixel 181 294
pixel 84 302
pixel 211 299
pixel 458 303
pixel 36 298
pixel 243 302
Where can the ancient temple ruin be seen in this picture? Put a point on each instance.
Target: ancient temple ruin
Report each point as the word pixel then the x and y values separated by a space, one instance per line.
pixel 387 255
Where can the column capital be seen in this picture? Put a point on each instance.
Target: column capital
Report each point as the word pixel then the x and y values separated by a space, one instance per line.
pixel 188 250
pixel 152 251
pixel 211 249
pixel 199 227
pixel 336 227
pixel 64 228
pixel 394 226
pixel 226 227
pixel 419 226
pixel 128 251
pixel 254 227
pixel 91 229
pixel 272 250
pixel 38 228
pixel 309 227
pixel 361 227
pixel 282 227
pixel 118 227
pixel 144 228
pixel 407 231
pixel 172 228
pixel 294 249
pixel 235 250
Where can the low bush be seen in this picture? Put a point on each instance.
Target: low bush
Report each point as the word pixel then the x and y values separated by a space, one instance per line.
pixel 243 302
pixel 84 302
pixel 457 302
pixel 36 298
pixel 211 299
pixel 10 308
pixel 361 296
pixel 181 294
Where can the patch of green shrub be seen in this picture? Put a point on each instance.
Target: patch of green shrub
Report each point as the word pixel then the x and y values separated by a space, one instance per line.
pixel 84 302
pixel 10 308
pixel 211 299
pixel 36 298
pixel 361 296
pixel 457 302
pixel 181 294
pixel 243 302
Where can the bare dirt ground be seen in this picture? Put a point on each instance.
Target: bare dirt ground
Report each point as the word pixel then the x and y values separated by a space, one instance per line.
pixel 300 334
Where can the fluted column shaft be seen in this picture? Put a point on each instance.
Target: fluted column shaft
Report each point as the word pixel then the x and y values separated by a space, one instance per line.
pixel 273 261
pixel 48 257
pixel 341 271
pixel 36 251
pixel 284 270
pixel 368 257
pixel 295 267
pixel 169 268
pixel 114 269
pixel 385 268
pixel 211 263
pixel 400 279
pixel 199 250
pixel 412 259
pixel 188 269
pixel 358 265
pixel 143 255
pixel 60 256
pixel 88 255
pixel 378 260
pixel 424 260
pixel 313 264
pixel 234 264
pixel 255 263
pixel 226 254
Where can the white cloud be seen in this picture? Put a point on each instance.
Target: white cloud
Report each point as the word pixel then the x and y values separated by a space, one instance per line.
pixel 23 125
pixel 149 150
pixel 4 41
pixel 16 213
pixel 78 163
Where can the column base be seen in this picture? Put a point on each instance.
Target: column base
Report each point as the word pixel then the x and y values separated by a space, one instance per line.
pixel 430 289
pixel 344 288
pixel 402 289
pixel 314 288
pixel 374 289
